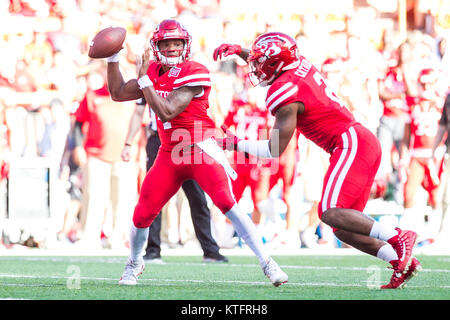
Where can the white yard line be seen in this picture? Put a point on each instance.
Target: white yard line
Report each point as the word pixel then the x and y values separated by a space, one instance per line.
pixel 118 260
pixel 169 281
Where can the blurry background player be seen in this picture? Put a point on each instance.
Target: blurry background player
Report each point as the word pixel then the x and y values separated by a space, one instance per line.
pixel 420 131
pixel 299 98
pixel 177 90
pixel 393 90
pixel 251 122
pixel 285 173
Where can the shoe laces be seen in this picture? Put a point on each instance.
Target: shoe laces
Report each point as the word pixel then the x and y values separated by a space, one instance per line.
pixel 130 269
pixel 271 267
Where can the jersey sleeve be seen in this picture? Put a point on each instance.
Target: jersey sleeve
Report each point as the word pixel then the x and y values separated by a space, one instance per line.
pixel 280 94
pixel 82 112
pixel 192 75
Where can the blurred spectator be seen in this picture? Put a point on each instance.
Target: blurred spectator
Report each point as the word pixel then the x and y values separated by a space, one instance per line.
pixel 56 128
pixel 4 145
pixel 443 236
pixel 71 171
pixel 107 179
pixel 393 90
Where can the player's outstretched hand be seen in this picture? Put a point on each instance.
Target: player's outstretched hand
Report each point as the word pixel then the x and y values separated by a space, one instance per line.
pixel 230 141
pixel 225 50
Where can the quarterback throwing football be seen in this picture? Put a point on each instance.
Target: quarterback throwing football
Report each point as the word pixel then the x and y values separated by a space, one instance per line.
pixel 299 98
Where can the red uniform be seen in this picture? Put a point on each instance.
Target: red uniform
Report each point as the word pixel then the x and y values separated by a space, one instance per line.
pixel 249 121
pixel 355 151
pixel 394 82
pixel 424 116
pixel 179 159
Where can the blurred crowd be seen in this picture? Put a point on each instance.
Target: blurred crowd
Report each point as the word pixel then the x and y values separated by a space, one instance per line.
pixel 46 77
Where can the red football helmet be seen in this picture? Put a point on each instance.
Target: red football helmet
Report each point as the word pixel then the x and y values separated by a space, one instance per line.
pixel 170 29
pixel 272 53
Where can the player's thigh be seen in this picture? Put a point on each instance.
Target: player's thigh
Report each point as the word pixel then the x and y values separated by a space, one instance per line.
pixel 213 179
pixel 161 183
pixel 352 171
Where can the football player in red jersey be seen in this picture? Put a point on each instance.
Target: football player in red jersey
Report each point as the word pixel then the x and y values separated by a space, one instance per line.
pixel 299 98
pixel 417 146
pixel 177 90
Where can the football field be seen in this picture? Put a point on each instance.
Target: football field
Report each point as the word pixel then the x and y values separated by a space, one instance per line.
pixel 311 277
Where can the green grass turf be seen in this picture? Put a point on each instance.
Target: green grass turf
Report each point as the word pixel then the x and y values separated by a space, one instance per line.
pixel 187 278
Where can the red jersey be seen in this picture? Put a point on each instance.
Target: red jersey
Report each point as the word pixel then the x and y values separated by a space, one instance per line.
pixel 394 82
pixel 325 117
pixel 193 124
pixel 424 118
pixel 248 120
pixel 107 125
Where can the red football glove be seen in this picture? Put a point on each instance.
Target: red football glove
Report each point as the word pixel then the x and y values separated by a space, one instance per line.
pixel 225 50
pixel 230 141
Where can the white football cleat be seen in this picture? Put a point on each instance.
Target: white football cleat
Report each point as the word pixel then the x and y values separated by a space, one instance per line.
pixel 273 271
pixel 133 270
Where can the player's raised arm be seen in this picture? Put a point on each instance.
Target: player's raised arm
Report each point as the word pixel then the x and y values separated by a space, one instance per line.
pixel 118 88
pixel 226 49
pixel 107 43
pixel 165 108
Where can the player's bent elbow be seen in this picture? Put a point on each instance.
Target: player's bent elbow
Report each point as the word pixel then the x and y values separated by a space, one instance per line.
pixel 116 97
pixel 166 116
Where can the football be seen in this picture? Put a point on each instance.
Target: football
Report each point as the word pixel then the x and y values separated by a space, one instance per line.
pixel 107 42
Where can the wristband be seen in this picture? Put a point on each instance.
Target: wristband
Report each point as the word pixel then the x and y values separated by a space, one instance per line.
pixel 113 58
pixel 144 82
pixel 257 148
pixel 128 144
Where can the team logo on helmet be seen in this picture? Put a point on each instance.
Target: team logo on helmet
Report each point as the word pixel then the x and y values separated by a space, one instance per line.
pixel 268 48
pixel 271 54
